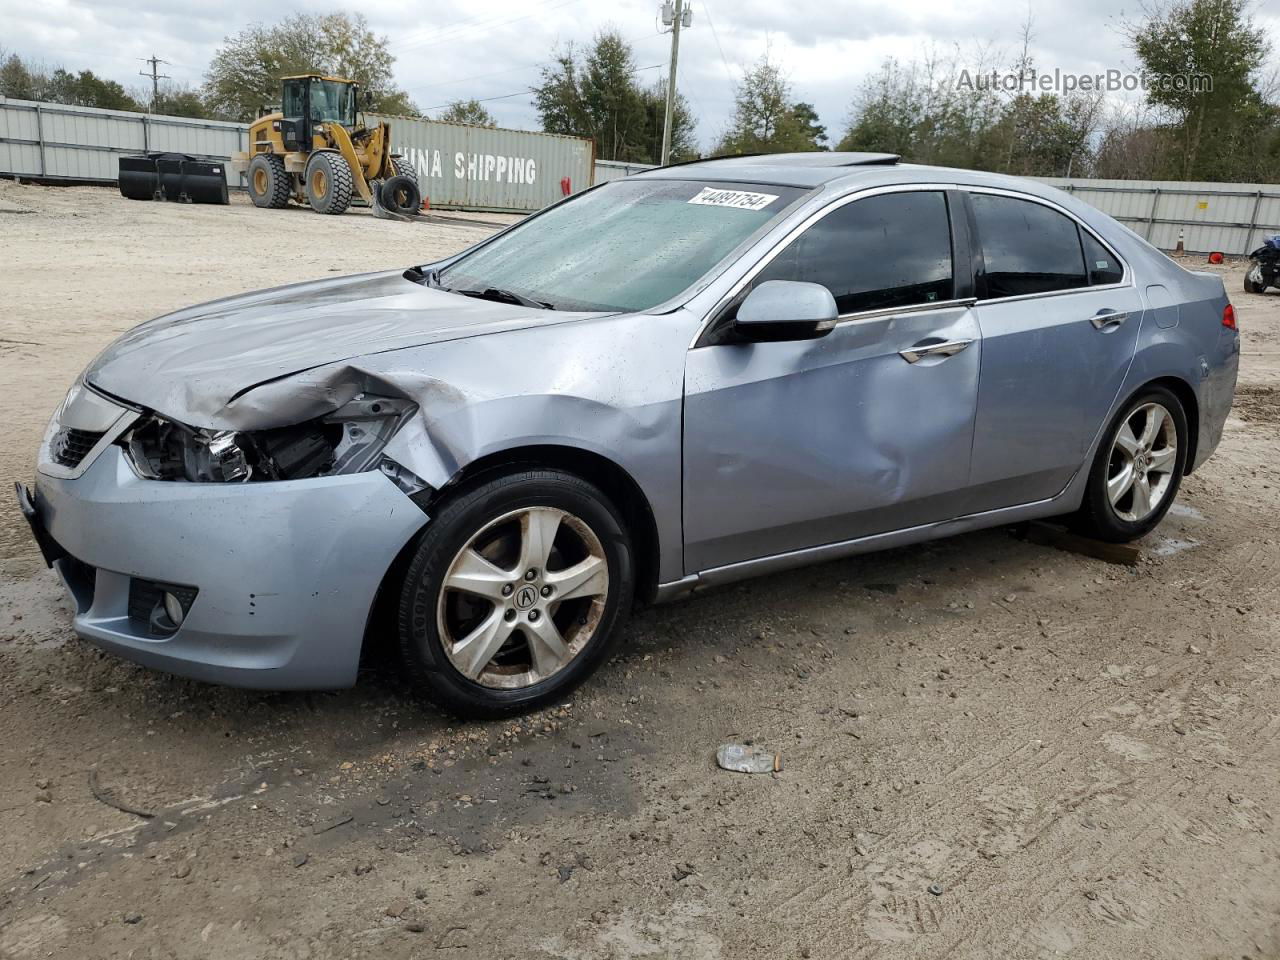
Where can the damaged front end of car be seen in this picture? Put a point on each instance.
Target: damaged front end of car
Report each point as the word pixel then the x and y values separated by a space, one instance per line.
pixel 349 440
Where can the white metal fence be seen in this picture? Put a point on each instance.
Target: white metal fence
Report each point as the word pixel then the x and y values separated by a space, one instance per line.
pixel 616 169
pixel 50 141
pixel 1233 218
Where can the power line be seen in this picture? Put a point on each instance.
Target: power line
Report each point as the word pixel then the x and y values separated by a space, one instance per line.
pixel 508 96
pixel 505 96
pixel 412 38
pixel 155 79
pixel 712 24
pixel 451 36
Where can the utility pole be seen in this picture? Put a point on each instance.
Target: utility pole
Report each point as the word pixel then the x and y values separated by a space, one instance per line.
pixel 155 62
pixel 676 17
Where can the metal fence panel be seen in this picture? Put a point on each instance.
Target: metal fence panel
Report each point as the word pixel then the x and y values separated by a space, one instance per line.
pixel 59 142
pixel 1233 218
pixel 486 168
pixel 616 170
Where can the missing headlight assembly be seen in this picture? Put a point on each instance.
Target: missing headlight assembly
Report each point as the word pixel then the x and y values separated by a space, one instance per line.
pixel 349 440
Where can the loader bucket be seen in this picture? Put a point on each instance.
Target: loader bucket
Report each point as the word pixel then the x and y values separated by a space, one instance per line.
pixel 173 176
pixel 138 178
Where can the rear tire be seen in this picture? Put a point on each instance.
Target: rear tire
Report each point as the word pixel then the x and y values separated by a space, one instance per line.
pixel 329 183
pixel 1137 470
pixel 403 168
pixel 489 576
pixel 269 185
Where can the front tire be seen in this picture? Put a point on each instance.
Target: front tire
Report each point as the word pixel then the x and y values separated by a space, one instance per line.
pixel 515 593
pixel 1138 468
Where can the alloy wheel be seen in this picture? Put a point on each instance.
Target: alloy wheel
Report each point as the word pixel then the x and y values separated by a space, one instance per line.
pixel 523 597
pixel 1143 458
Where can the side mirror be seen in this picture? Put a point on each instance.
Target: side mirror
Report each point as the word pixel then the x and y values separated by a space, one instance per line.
pixel 780 310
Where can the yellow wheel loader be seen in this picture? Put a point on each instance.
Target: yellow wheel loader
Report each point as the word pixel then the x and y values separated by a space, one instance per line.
pixel 317 150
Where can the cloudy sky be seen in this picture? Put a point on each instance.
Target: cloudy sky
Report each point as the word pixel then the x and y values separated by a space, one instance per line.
pixel 448 49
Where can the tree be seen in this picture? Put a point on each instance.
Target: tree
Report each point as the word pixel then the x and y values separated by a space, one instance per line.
pixel 1213 129
pixel 24 81
pixel 17 81
pixel 596 95
pixel 246 70
pixel 181 101
pixel 471 112
pixel 766 119
pixel 805 119
pixel 86 89
pixel 683 145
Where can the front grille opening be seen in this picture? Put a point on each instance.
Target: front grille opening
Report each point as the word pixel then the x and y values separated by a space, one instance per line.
pixel 70 446
pixel 159 609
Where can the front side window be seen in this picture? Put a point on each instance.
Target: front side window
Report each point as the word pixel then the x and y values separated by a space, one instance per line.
pixel 332 102
pixel 1027 247
pixel 627 246
pixel 885 251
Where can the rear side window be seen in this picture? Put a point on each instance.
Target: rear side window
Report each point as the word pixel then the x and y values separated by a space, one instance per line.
pixel 891 250
pixel 1102 263
pixel 1027 247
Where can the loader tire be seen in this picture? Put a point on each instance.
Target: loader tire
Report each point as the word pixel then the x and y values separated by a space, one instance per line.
pixel 268 183
pixel 400 194
pixel 329 182
pixel 404 168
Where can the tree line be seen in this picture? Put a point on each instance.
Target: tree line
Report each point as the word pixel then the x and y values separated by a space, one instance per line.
pixel 919 109
pixel 244 74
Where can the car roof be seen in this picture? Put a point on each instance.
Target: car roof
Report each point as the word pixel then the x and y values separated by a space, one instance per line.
pixel 837 169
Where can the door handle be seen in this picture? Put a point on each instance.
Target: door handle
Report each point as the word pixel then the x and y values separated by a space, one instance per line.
pixel 948 348
pixel 1108 320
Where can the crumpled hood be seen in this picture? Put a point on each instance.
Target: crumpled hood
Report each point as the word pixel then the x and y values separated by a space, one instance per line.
pixel 190 364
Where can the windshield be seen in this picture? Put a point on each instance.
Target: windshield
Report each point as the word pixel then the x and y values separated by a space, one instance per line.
pixel 333 102
pixel 627 246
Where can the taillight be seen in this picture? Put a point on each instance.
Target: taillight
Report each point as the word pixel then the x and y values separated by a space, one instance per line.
pixel 1229 317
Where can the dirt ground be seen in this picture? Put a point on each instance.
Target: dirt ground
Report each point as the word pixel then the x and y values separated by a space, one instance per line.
pixel 991 748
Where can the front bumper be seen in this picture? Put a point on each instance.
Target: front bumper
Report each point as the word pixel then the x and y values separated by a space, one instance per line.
pixel 286 572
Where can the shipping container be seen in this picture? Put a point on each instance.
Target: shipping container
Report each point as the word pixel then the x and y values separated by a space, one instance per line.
pixel 487 168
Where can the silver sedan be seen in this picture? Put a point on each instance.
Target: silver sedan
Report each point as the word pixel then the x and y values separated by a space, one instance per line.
pixel 698 374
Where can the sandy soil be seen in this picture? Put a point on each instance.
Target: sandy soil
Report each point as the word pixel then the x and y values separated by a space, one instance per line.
pixel 1083 758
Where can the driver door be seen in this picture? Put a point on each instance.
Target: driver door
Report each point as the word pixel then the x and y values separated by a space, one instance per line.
pixel 864 431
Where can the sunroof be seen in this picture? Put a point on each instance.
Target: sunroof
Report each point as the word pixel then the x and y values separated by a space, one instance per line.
pixel 820 159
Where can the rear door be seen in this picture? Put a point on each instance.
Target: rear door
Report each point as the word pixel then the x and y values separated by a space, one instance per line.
pixel 1059 318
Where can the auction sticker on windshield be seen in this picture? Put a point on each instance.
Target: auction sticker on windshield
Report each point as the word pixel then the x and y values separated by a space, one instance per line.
pixel 742 199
